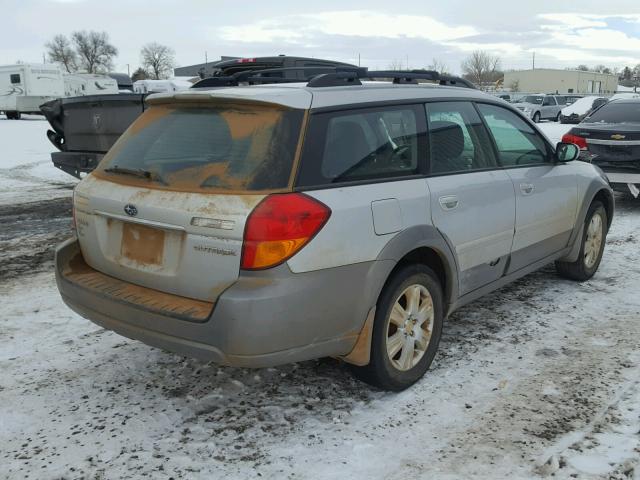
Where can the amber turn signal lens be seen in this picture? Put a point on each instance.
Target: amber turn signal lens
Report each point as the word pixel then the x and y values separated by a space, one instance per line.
pixel 279 227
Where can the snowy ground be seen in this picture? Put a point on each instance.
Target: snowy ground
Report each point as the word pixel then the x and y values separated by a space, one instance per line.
pixel 541 378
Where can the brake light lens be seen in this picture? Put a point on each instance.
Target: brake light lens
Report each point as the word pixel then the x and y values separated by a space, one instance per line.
pixel 279 227
pixel 246 60
pixel 579 141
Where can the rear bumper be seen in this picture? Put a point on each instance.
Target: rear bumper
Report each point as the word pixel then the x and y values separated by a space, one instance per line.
pixel 75 163
pixel 264 319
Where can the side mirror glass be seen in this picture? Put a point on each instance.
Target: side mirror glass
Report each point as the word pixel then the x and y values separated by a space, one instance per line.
pixel 567 152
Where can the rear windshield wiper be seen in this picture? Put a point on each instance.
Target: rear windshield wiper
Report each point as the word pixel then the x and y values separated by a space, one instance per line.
pixel 136 172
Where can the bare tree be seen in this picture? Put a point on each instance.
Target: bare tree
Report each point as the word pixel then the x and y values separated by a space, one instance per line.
pixel 59 50
pixel 439 66
pixel 139 74
pixel 95 53
pixel 515 86
pixel 396 64
pixel 157 59
pixel 582 68
pixel 601 69
pixel 481 67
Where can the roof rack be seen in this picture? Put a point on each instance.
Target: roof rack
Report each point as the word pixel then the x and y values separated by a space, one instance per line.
pixel 264 76
pixel 398 77
pixel 327 76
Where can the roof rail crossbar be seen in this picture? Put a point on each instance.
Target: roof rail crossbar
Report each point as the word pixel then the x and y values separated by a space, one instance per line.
pixel 266 72
pixel 397 76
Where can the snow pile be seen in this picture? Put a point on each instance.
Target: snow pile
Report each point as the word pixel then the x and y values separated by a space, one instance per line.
pixel 26 170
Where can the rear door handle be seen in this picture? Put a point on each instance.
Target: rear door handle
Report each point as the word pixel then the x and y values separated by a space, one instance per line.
pixel 527 188
pixel 448 202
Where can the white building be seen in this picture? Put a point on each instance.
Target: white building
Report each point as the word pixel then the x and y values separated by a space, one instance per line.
pixel 547 80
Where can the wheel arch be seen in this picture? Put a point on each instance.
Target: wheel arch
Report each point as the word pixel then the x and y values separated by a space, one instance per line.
pixel 421 244
pixel 598 190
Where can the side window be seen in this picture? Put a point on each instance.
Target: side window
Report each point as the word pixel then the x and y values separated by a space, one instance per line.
pixel 548 101
pixel 458 141
pixel 517 142
pixel 14 78
pixel 362 144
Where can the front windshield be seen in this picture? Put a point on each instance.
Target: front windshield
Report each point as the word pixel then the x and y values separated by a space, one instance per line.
pixel 616 112
pixel 532 99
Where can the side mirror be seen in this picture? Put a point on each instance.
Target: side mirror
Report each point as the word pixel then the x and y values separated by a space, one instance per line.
pixel 566 152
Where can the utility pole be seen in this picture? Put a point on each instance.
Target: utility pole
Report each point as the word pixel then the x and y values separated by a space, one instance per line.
pixel 128 72
pixel 358 59
pixel 407 62
pixel 43 59
pixel 206 60
pixel 533 67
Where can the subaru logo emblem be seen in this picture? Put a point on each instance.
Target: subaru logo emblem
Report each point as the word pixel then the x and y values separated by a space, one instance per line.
pixel 130 210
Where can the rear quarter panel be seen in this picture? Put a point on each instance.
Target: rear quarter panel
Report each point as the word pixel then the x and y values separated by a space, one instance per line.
pixel 350 236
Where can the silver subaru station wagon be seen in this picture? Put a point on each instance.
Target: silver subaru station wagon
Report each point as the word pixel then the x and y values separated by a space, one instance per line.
pixel 259 225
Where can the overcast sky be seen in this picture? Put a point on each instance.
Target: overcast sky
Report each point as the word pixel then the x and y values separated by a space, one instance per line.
pixel 561 33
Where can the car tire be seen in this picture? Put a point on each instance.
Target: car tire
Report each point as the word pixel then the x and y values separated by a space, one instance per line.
pixel 536 117
pixel 405 334
pixel 591 248
pixel 557 117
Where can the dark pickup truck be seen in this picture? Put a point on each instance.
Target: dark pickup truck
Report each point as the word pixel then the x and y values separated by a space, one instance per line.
pixel 85 128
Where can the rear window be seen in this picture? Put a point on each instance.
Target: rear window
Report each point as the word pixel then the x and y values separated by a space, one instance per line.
pixel 219 148
pixel 614 112
pixel 532 99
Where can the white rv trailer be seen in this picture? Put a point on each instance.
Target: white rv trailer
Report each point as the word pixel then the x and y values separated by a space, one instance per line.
pixel 24 87
pixel 80 84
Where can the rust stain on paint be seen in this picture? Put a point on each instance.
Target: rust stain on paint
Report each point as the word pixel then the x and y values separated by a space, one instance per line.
pixel 79 273
pixel 361 353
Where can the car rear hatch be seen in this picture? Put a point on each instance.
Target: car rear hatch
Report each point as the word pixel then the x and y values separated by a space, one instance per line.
pixel 611 143
pixel 167 206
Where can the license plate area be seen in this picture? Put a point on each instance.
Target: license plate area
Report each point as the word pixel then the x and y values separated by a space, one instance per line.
pixel 142 245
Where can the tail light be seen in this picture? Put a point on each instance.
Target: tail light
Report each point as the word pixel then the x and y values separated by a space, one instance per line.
pixel 579 141
pixel 279 227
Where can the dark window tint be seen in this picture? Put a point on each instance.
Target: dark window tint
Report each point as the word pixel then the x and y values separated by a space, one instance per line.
pixel 362 144
pixel 15 78
pixel 458 141
pixel 230 148
pixel 537 99
pixel 616 112
pixel 561 100
pixel 548 101
pixel 517 142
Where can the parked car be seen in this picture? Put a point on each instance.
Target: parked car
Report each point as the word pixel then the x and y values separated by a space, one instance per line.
pixel 581 108
pixel 261 225
pixel 610 139
pixel 85 128
pixel 541 107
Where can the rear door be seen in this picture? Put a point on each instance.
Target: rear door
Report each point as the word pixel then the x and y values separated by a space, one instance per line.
pixel 472 199
pixel 546 193
pixel 549 107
